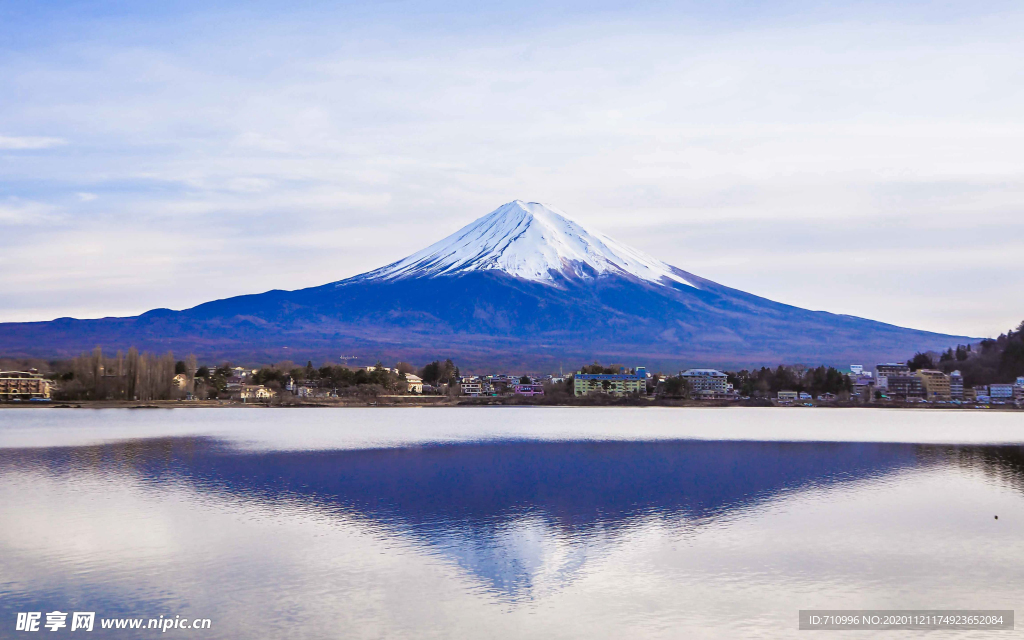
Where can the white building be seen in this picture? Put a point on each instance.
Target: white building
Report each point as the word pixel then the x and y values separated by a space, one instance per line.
pixel 470 386
pixel 255 392
pixel 413 383
pixel 708 384
pixel 956 385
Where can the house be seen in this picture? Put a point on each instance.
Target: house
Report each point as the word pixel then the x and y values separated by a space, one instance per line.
pixel 256 392
pixel 615 384
pixel 501 385
pixel 413 383
pixel 180 381
pixel 788 396
pixel 707 384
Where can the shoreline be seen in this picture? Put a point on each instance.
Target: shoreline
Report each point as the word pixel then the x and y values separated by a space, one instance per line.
pixel 444 401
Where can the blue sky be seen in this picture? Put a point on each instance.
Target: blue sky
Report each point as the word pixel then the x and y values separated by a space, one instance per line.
pixel 847 157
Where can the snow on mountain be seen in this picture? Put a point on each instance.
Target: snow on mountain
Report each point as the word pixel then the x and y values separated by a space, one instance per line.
pixel 531 241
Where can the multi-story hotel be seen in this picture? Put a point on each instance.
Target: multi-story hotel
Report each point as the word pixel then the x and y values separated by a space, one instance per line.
pixel 707 384
pixel 906 386
pixel 884 371
pixel 956 386
pixel 936 384
pixel 1000 392
pixel 23 385
pixel 615 384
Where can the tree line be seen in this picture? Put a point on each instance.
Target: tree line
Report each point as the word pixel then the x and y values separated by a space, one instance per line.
pixel 123 376
pixel 992 361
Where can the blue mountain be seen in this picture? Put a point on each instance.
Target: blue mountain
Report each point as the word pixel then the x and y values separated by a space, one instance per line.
pixel 523 287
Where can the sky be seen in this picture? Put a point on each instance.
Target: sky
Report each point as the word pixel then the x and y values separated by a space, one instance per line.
pixel 849 157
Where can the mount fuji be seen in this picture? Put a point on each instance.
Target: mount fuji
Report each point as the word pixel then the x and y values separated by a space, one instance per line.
pixel 524 287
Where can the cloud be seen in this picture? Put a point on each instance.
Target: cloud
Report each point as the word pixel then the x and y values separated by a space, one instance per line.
pixel 347 142
pixel 28 142
pixel 19 212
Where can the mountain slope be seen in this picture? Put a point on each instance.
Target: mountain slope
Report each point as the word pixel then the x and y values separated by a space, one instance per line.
pixel 530 241
pixel 523 287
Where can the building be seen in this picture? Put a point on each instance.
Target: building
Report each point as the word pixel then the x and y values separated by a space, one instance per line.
pixel 23 385
pixel 936 384
pixel 256 392
pixel 616 384
pixel 499 385
pixel 883 371
pixel 857 369
pixel 956 386
pixel 180 381
pixel 471 386
pixel 532 389
pixel 905 386
pixel 707 384
pixel 788 396
pixel 413 383
pixel 1000 392
pixel 864 387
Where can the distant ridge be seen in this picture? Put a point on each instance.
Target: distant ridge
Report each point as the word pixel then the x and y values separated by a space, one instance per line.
pixel 524 287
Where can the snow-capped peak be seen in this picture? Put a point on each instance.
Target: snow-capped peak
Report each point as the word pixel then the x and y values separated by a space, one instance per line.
pixel 531 241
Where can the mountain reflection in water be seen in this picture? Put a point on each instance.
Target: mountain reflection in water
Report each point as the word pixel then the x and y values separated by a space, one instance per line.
pixel 521 516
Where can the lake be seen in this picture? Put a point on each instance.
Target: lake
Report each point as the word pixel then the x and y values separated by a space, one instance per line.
pixel 507 522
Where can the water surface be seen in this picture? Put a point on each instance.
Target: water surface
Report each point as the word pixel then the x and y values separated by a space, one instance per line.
pixel 507 522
